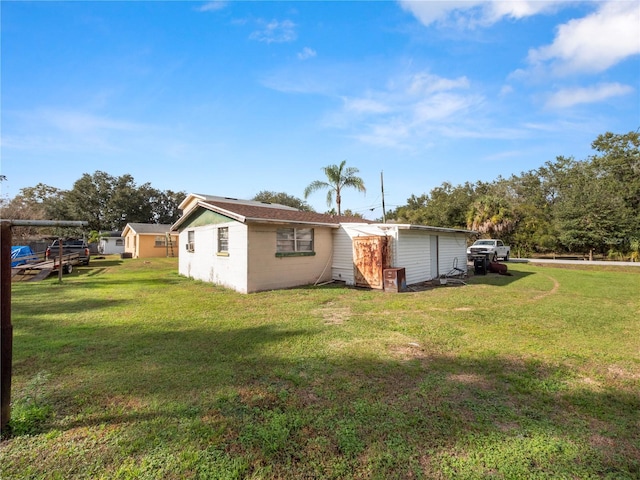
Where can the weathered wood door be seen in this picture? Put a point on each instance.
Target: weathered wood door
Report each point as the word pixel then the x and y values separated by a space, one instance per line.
pixel 370 258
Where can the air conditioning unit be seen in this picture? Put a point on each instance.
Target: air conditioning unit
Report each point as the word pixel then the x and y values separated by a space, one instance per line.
pixel 190 247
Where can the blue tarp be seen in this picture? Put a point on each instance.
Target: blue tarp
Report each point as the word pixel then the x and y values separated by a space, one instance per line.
pixel 21 255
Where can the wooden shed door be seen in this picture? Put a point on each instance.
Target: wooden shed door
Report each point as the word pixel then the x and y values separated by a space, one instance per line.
pixel 370 258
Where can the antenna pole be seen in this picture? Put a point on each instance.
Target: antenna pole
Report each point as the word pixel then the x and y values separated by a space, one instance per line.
pixel 384 215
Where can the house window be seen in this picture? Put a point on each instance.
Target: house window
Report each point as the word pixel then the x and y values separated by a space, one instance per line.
pixel 161 241
pixel 191 241
pixel 223 240
pixel 294 241
pixel 119 242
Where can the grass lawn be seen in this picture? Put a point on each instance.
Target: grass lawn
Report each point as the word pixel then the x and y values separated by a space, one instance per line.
pixel 127 370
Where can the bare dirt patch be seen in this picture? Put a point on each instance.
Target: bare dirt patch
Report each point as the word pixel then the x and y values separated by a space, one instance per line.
pixel 334 315
pixel 408 351
pixel 474 379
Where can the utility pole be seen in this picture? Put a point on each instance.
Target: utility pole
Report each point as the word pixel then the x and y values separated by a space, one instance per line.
pixel 384 214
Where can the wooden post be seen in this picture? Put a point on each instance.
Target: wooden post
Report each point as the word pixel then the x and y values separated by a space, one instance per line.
pixel 6 330
pixel 59 260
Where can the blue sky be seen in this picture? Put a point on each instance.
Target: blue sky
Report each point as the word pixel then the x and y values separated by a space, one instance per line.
pixel 231 98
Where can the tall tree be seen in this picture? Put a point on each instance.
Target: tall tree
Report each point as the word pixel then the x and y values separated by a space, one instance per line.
pixel 589 215
pixel 444 206
pixel 41 202
pixel 165 206
pixel 338 177
pixel 534 231
pixel 618 160
pixel 89 200
pixel 109 203
pixel 491 215
pixel 283 199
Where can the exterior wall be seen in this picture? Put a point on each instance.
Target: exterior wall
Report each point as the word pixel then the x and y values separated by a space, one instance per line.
pixel 130 243
pixel 108 245
pixel 411 249
pixel 205 264
pixel 453 252
pixel 342 268
pixel 414 254
pixel 144 246
pixel 268 272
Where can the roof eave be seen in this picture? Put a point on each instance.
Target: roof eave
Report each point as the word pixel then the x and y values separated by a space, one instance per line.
pixel 291 222
pixel 435 229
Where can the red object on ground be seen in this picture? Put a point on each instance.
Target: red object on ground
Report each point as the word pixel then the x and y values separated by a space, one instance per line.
pixel 499 268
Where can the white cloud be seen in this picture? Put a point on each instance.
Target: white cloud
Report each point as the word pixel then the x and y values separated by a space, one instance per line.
pixel 276 32
pixel 469 14
pixel 425 83
pixel 56 129
pixel 516 9
pixel 212 6
pixel 306 53
pixel 364 106
pixel 407 109
pixel 80 122
pixel 574 96
pixel 594 43
pixel 442 106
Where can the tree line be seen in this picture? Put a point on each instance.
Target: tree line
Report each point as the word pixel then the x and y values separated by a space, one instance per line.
pixel 106 202
pixel 581 206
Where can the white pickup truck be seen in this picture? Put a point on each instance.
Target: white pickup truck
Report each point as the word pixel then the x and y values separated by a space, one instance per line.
pixel 490 247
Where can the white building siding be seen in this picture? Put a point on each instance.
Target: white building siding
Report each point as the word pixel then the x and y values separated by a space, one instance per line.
pixel 109 245
pixel 414 254
pixel 413 249
pixel 205 264
pixel 342 266
pixel 453 252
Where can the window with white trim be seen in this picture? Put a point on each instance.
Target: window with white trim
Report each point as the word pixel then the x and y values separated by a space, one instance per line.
pixel 223 240
pixel 191 241
pixel 161 241
pixel 291 241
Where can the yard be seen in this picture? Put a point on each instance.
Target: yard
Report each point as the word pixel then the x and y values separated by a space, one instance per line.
pixel 127 370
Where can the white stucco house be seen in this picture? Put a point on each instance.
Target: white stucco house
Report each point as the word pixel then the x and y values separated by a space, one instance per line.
pixel 253 246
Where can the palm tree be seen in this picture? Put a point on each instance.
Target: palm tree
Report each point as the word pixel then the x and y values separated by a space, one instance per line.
pixel 338 177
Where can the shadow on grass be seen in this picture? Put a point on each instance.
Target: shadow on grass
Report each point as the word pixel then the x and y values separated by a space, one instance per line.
pixel 498 280
pixel 408 413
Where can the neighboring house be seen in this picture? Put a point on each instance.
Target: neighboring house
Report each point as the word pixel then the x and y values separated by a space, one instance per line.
pixel 252 246
pixel 111 243
pixel 144 240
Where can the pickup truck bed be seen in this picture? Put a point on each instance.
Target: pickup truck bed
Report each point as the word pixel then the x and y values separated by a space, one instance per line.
pixel 69 246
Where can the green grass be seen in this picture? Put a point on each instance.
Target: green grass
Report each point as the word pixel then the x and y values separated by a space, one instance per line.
pixel 127 370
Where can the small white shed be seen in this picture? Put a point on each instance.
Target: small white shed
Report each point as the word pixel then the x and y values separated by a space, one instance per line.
pixel 111 243
pixel 362 251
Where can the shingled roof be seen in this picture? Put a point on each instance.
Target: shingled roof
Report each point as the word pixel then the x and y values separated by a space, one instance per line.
pixel 248 211
pixel 147 228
